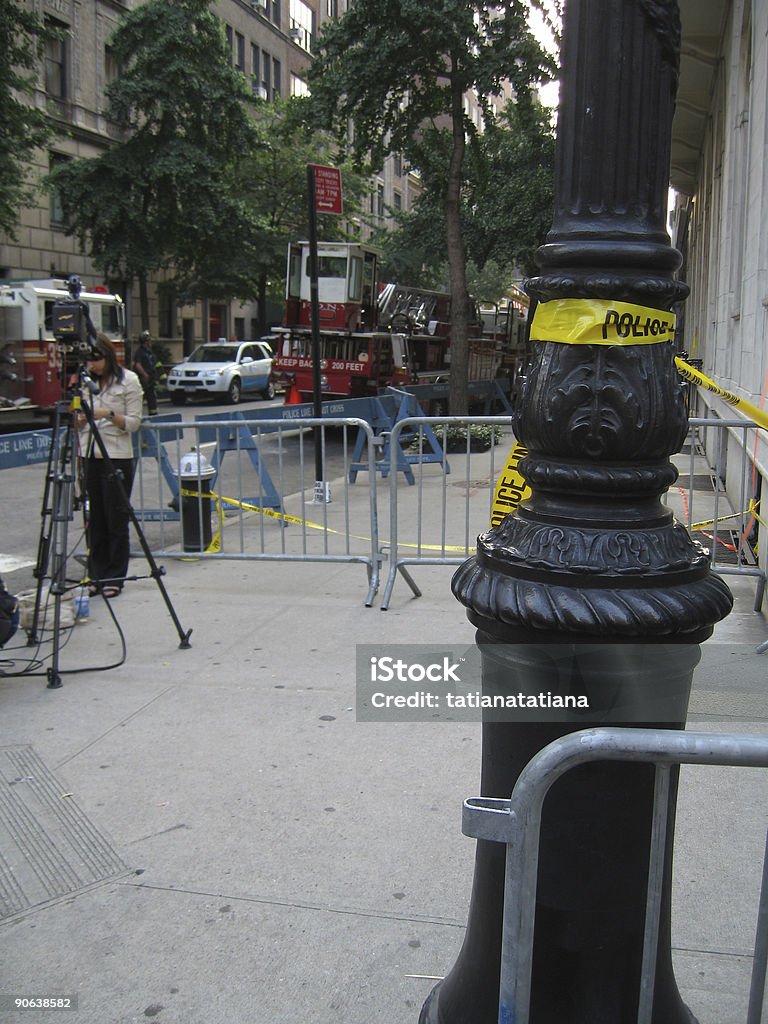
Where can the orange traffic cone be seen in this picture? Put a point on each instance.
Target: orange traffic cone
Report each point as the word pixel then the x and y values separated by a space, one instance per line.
pixel 294 396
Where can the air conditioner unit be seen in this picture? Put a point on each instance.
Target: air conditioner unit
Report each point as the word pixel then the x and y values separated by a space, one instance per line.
pixel 260 6
pixel 295 34
pixel 259 91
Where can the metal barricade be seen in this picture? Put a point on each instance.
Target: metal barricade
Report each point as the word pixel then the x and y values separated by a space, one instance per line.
pixel 263 491
pixel 726 517
pixel 441 531
pixel 439 501
pixel 516 822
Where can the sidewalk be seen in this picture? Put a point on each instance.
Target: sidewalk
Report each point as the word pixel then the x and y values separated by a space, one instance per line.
pixel 250 854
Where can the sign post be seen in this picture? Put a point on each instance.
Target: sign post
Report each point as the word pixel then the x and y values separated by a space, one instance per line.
pixel 324 196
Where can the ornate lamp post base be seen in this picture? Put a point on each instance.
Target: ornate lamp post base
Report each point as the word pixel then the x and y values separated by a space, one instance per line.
pixel 591 586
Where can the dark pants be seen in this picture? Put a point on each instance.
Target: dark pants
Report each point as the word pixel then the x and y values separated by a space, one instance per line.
pixel 108 519
pixel 148 388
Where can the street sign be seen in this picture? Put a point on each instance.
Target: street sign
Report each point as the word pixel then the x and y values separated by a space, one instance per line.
pixel 327 189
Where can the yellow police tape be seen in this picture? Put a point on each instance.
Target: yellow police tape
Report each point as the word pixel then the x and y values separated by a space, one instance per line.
pixel 751 513
pixel 758 416
pixel 601 322
pixel 604 322
pixel 221 499
pixel 511 487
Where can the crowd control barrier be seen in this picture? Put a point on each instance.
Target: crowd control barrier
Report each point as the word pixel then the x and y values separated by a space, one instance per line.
pixel 262 490
pixel 726 520
pixel 440 490
pixel 438 525
pixel 516 822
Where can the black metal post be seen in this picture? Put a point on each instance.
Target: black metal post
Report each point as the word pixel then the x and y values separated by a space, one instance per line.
pixel 315 311
pixel 591 586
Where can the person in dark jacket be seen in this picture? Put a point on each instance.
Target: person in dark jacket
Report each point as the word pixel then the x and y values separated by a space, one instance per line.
pixel 144 365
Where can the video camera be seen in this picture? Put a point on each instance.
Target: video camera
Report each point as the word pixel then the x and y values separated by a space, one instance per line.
pixel 72 324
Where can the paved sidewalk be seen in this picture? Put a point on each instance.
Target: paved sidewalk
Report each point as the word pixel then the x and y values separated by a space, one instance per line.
pixel 247 853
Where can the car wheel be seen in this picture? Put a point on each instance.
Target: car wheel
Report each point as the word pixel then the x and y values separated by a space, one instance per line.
pixel 177 397
pixel 234 390
pixel 269 391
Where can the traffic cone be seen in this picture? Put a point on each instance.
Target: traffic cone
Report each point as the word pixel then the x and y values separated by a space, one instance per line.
pixel 294 396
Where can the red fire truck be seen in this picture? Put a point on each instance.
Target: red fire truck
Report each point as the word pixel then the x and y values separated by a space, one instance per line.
pixel 372 337
pixel 30 356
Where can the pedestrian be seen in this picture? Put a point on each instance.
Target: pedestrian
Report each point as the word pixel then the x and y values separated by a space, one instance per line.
pixel 9 614
pixel 144 365
pixel 116 413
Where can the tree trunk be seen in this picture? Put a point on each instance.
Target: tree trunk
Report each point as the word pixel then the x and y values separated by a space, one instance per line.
pixel 262 302
pixel 458 393
pixel 143 302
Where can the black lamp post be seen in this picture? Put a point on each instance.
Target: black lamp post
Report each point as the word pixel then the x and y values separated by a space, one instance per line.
pixel 591 586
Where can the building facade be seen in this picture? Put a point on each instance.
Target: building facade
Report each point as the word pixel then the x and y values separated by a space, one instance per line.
pixel 271 43
pixel 720 172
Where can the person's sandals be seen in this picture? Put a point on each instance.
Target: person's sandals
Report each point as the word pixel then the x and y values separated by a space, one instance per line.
pixel 110 592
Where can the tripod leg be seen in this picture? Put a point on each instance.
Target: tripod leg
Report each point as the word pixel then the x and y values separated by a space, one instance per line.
pixel 157 572
pixel 46 526
pixel 57 511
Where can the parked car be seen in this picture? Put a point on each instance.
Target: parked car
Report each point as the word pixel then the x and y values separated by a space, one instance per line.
pixel 223 369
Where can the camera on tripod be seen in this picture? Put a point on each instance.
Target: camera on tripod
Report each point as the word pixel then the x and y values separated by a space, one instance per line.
pixel 72 324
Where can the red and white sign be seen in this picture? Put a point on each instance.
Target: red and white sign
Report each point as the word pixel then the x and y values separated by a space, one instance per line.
pixel 327 189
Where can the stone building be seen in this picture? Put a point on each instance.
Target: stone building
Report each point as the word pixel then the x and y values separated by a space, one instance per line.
pixel 720 172
pixel 270 42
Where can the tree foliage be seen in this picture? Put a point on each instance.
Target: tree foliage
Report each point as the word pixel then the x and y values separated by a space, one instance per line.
pixel 506 205
pixel 23 127
pixel 272 184
pixel 162 198
pixel 398 71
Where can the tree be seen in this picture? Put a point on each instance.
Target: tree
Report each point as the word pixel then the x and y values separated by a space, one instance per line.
pixel 509 192
pixel 23 127
pixel 506 205
pixel 163 197
pixel 397 70
pixel 272 184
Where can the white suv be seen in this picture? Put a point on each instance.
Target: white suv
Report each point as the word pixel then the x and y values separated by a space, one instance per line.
pixel 227 369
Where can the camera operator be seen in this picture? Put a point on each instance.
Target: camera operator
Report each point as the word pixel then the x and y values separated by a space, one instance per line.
pixel 117 407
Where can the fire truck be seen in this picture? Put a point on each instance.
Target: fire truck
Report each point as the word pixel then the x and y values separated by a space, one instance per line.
pixel 31 359
pixel 373 336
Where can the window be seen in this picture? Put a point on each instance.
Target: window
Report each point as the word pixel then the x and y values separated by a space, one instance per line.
pixel 330 266
pixel 239 52
pixel 111 67
pixel 298 86
pixel 230 36
pixel 380 201
pixel 275 78
pixel 302 24
pixel 58 217
pixel 56 61
pixel 166 295
pixel 275 12
pixel 356 279
pixel 397 161
pixel 266 70
pixel 397 200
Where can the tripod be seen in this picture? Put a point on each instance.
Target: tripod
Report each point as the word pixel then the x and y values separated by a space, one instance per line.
pixel 59 501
